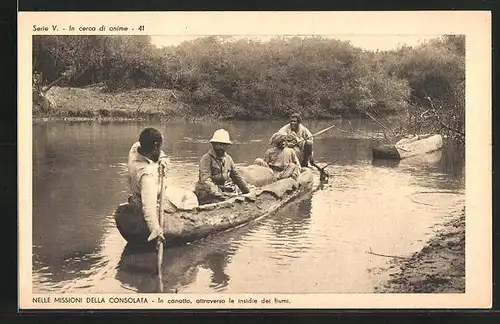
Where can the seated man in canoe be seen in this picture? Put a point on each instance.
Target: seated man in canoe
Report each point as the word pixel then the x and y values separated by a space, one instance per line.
pixel 218 177
pixel 144 160
pixel 281 159
pixel 299 138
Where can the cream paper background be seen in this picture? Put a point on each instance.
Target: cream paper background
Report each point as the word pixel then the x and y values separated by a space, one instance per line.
pixel 476 25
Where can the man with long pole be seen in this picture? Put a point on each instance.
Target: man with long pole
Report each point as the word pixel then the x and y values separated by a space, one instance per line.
pixel 146 172
pixel 299 138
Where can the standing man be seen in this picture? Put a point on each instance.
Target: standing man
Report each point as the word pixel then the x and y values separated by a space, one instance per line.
pixel 218 177
pixel 144 160
pixel 299 138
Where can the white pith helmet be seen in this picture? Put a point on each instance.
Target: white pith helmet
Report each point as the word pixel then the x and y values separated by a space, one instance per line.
pixel 221 136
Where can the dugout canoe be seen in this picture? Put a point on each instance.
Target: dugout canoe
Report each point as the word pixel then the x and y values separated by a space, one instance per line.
pixel 184 226
pixel 407 147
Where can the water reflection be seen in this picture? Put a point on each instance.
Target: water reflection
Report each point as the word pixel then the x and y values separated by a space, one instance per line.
pixel 137 267
pixel 217 262
pixel 287 231
pixel 453 161
pixel 293 219
pixel 386 163
pixel 181 264
pixel 445 166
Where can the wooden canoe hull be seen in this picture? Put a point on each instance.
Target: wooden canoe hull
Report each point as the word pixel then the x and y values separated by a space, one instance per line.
pixel 407 148
pixel 185 226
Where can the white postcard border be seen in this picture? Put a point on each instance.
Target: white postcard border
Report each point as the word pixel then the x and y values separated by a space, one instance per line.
pixel 476 25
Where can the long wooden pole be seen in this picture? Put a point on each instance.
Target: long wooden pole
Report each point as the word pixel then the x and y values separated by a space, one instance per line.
pixel 161 220
pixel 317 133
pixel 323 174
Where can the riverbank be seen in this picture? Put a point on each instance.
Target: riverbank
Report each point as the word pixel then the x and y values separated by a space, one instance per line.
pixel 93 103
pixel 438 268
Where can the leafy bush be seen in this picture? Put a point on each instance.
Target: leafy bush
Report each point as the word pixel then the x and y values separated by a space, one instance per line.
pixel 436 74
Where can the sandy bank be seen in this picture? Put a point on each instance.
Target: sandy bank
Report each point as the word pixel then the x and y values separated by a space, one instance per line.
pixel 438 268
pixel 93 103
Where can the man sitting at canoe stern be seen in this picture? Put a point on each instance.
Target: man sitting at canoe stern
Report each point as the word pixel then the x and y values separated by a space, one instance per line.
pixel 144 159
pixel 299 138
pixel 218 177
pixel 280 158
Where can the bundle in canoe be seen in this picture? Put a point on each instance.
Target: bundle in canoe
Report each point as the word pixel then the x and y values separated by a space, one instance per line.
pixel 420 144
pixel 185 225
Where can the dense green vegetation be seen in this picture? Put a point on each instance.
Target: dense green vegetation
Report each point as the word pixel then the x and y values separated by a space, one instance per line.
pixel 322 78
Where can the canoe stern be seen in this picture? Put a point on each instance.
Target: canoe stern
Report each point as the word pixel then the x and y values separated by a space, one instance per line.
pixel 131 223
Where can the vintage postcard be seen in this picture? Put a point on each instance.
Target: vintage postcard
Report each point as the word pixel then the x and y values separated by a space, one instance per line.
pixel 255 160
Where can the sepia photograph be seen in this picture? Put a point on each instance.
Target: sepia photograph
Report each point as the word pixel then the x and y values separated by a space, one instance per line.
pixel 247 164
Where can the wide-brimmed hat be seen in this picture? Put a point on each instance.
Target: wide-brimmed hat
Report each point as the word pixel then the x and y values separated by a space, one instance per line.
pixel 221 136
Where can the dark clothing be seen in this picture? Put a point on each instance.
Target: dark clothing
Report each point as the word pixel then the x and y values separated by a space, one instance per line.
pixel 307 151
pixel 218 175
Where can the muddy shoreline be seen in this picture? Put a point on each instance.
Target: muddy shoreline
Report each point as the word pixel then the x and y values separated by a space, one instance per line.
pixel 439 267
pixel 94 104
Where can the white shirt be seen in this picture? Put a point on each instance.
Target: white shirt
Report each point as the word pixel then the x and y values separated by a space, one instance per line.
pixel 143 176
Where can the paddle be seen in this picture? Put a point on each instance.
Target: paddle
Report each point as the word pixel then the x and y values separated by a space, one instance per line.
pixel 160 218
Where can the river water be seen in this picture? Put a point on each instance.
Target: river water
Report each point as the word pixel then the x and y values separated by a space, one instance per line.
pixel 326 242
